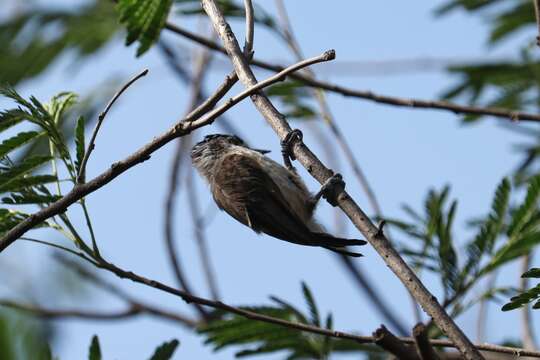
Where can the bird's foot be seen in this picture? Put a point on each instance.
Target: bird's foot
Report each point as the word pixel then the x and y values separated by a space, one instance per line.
pixel 331 189
pixel 287 144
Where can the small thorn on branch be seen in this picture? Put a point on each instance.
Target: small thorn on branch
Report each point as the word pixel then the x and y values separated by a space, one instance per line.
pixel 380 229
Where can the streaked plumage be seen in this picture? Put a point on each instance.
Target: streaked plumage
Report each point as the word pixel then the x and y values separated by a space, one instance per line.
pixel 262 194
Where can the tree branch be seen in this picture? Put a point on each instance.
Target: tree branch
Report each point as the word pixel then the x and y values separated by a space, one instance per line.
pixel 423 347
pixel 69 313
pixel 321 173
pixel 184 127
pixel 101 117
pixel 507 114
pixel 319 95
pixel 389 342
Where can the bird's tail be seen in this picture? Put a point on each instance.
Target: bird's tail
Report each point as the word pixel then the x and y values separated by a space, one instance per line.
pixel 337 245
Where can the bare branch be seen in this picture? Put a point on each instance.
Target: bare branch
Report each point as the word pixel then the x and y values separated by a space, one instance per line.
pixel 507 114
pixel 250 28
pixel 347 204
pixel 184 127
pixel 69 313
pixel 389 342
pixel 423 347
pixel 101 117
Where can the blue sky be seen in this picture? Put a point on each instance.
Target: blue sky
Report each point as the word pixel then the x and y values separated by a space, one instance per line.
pixel 403 153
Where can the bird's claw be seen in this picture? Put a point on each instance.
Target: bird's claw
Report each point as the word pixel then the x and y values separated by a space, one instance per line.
pixel 331 189
pixel 291 138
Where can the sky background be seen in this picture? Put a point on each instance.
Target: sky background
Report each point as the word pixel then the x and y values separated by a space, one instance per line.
pixel 403 153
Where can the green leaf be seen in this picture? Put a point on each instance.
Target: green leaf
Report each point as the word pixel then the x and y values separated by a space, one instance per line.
pixel 94 353
pixel 17 141
pixel 166 350
pixel 30 198
pixel 12 174
pixel 144 20
pixel 27 182
pixel 256 337
pixel 523 214
pixel 490 230
pixel 523 298
pixel 522 236
pixel 532 273
pixel 308 296
pixel 11 117
pixel 79 142
pixel 28 48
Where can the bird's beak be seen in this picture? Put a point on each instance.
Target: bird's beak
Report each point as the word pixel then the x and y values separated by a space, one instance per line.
pixel 261 151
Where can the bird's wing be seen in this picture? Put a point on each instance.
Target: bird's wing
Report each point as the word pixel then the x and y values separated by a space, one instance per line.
pixel 246 192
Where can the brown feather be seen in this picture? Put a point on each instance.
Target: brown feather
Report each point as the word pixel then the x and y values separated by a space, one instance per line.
pixel 246 192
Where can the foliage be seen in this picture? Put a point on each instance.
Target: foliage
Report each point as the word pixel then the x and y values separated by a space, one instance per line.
pixel 526 296
pixel 256 337
pixel 26 181
pixel 23 338
pixel 435 248
pixel 36 37
pixel 163 352
pixel 144 20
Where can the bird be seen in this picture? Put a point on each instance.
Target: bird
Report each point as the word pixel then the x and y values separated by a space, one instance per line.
pixel 262 194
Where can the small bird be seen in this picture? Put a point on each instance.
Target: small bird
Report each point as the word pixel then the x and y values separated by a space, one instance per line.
pixel 262 194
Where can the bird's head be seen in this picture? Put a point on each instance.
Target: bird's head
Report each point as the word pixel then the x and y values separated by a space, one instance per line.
pixel 207 152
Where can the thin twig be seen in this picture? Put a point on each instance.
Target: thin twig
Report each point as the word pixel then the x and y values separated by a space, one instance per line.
pixel 176 66
pixel 423 346
pixel 527 331
pixel 314 166
pixel 101 117
pixel 507 114
pixel 250 28
pixel 320 97
pixel 70 313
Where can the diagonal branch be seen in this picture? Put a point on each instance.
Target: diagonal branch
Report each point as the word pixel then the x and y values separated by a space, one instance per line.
pixel 362 281
pixel 321 173
pixel 101 117
pixel 507 114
